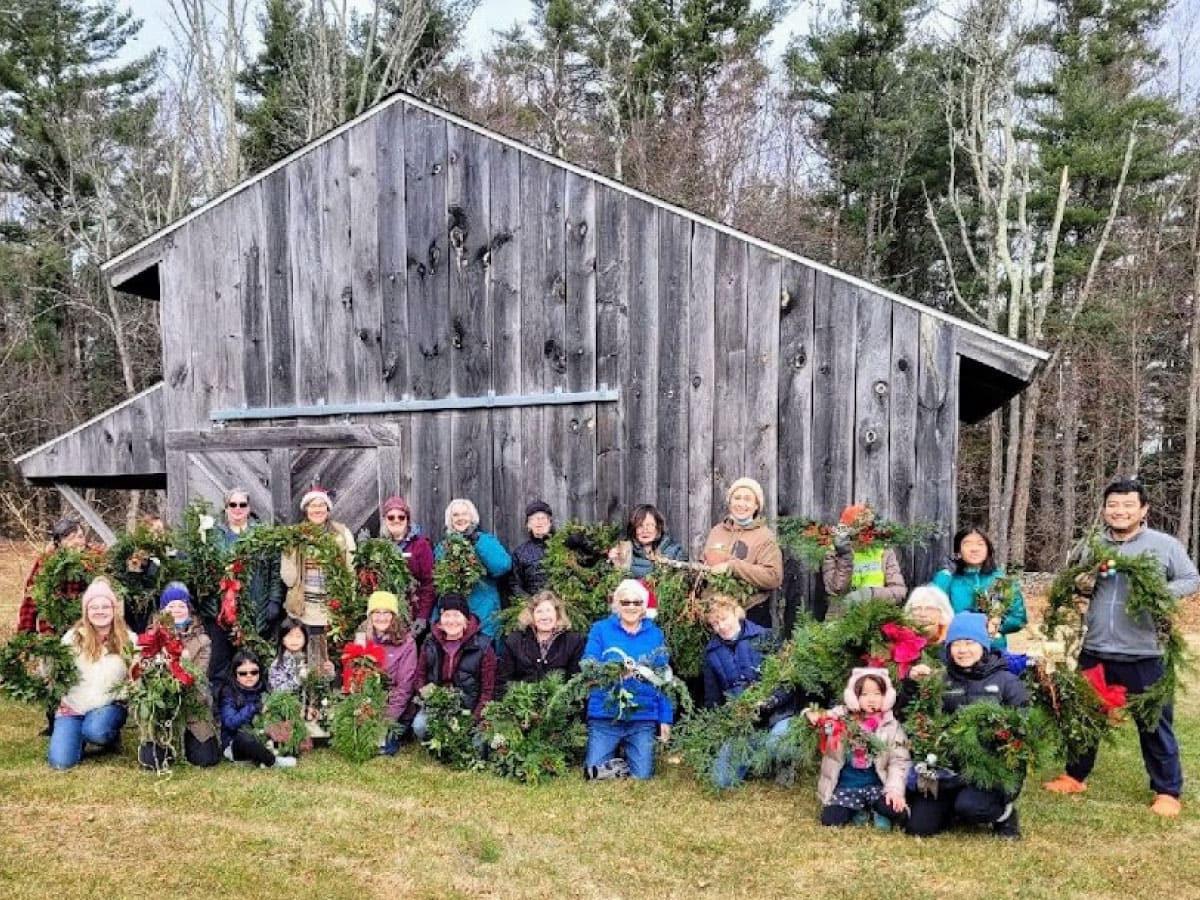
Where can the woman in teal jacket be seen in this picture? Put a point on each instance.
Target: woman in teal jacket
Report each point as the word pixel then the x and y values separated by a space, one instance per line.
pixel 463 518
pixel 973 574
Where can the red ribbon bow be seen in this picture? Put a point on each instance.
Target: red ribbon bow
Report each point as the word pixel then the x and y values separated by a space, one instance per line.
pixel 1111 696
pixel 830 729
pixel 358 662
pixel 159 641
pixel 230 587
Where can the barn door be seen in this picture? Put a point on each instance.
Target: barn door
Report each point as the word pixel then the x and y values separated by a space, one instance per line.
pixel 351 476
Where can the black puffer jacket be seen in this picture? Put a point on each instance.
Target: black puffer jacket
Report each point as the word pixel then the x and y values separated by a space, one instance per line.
pixel 523 659
pixel 528 576
pixel 988 681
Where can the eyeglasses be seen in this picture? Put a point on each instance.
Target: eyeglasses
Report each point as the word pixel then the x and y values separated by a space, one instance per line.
pixel 631 603
pixel 397 518
pixel 246 673
pixel 236 504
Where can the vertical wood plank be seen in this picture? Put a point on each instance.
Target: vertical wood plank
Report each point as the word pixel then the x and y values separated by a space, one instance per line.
pixel 872 403
pixel 428 289
pixel 834 312
pixel 393 253
pixel 674 278
pixel 937 438
pixel 504 280
pixel 640 392
pixel 179 296
pixel 729 425
pixel 255 315
pixel 702 363
pixel 276 233
pixel 468 239
pixel 279 461
pixel 341 339
pixel 366 298
pixel 307 286
pixel 795 495
pixel 612 338
pixel 903 411
pixel 177 486
pixel 580 314
pixel 764 284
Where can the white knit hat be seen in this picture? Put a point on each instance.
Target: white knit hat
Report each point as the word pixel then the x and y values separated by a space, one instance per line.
pixel 316 493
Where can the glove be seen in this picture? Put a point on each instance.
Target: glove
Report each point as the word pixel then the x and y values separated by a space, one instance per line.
pixel 419 626
pixel 842 546
pixel 473 535
pixel 862 595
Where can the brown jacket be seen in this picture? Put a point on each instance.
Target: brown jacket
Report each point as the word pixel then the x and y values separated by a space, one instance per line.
pixel 291 569
pixel 891 764
pixel 838 568
pixel 197 650
pixel 753 553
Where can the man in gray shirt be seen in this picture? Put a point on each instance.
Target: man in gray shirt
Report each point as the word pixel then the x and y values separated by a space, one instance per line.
pixel 1128 648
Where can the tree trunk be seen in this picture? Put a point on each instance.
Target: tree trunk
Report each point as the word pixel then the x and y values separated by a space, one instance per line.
pixel 1187 486
pixel 1070 447
pixel 996 524
pixel 1023 487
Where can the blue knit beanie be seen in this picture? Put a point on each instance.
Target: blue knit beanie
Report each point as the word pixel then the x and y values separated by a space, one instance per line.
pixel 968 626
pixel 175 590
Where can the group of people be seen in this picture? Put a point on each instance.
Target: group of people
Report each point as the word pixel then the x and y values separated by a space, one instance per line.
pixel 455 640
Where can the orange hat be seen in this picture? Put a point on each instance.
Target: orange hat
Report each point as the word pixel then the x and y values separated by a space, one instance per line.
pixel 854 513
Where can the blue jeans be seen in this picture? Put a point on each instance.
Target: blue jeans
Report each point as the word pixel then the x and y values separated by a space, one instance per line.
pixel 726 775
pixel 606 735
pixel 420 730
pixel 98 726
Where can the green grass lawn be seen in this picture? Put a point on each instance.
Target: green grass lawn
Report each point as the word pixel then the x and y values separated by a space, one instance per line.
pixel 407 827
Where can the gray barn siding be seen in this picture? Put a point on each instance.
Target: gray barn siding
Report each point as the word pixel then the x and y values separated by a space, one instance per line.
pixel 412 257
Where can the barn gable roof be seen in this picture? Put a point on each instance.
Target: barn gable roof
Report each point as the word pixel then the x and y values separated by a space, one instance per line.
pixel 122 447
pixel 995 367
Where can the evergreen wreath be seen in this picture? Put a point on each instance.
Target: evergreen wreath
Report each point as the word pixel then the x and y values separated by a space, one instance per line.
pixel 811 541
pixel 1077 717
pixel 128 559
pixel 578 571
pixel 164 693
pixel 308 541
pixel 358 727
pixel 450 727
pixel 379 566
pixel 997 599
pixel 281 724
pixel 683 596
pixel 205 561
pixel 60 582
pixel 1149 599
pixel 612 677
pixel 459 569
pixel 38 669
pixel 535 731
pixel 994 747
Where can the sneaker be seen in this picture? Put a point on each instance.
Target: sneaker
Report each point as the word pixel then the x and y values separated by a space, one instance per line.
pixel 882 822
pixel 1065 784
pixel 1009 827
pixel 860 818
pixel 228 752
pixel 1167 806
pixel 285 762
pixel 606 771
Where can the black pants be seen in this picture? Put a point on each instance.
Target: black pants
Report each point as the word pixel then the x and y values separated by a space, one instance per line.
pixel 929 815
pixel 198 753
pixel 222 656
pixel 1160 751
pixel 837 816
pixel 247 746
pixel 761 614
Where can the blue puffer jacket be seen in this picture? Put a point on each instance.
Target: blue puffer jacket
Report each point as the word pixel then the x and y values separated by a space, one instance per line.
pixel 961 589
pixel 640 565
pixel 608 642
pixel 485 596
pixel 732 666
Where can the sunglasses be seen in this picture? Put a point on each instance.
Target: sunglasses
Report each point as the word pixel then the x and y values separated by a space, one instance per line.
pixel 631 603
pixel 246 673
pixel 235 504
pixel 397 518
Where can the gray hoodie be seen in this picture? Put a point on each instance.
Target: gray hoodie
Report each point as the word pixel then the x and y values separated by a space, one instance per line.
pixel 1110 631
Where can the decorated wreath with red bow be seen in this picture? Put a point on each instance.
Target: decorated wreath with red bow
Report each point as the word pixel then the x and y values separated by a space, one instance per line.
pixel 165 691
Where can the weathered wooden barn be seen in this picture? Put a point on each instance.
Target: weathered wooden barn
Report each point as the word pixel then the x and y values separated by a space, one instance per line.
pixel 414 304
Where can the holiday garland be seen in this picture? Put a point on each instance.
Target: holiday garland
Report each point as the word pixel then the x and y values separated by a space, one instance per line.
pixel 1149 599
pixel 281 723
pixel 536 730
pixel 60 583
pixel 458 569
pixel 38 669
pixel 379 566
pixel 164 693
pixel 450 727
pixel 811 541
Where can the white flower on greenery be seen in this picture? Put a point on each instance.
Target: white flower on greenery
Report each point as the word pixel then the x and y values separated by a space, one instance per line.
pixel 499 741
pixel 206 525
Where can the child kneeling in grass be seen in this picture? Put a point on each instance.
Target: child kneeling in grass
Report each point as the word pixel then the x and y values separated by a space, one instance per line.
pixel 864 754
pixel 241 701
